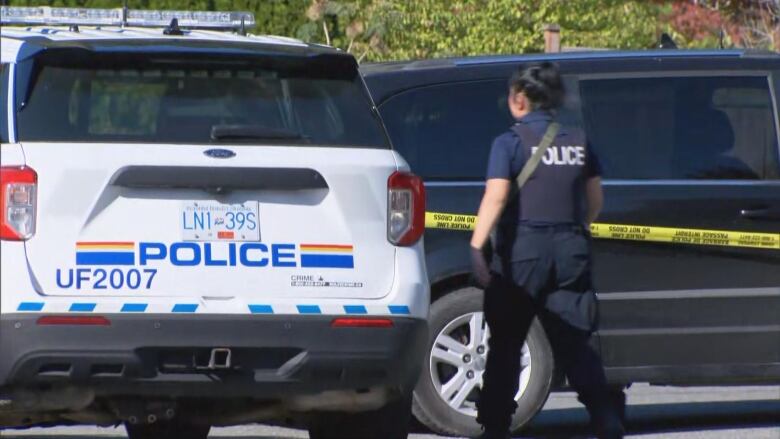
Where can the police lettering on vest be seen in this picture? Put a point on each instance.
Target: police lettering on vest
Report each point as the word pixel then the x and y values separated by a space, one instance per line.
pixel 563 155
pixel 555 193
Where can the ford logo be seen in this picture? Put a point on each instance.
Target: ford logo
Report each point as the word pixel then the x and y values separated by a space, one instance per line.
pixel 219 153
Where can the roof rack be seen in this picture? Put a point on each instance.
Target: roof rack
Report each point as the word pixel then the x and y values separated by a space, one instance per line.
pixel 45 15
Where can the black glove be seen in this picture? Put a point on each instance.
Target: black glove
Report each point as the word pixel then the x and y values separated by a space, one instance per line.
pixel 480 268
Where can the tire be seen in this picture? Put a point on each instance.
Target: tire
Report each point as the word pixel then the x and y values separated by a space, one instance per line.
pixel 167 430
pixel 389 422
pixel 455 314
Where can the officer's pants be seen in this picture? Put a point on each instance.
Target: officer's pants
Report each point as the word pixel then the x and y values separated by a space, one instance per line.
pixel 546 260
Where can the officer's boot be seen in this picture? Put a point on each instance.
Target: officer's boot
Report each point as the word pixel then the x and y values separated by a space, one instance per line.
pixel 618 397
pixel 605 417
pixel 495 421
pixel 609 426
pixel 489 435
pixel 494 428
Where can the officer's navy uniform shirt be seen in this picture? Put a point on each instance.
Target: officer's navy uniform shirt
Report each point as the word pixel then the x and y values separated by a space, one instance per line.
pixel 542 259
pixel 555 192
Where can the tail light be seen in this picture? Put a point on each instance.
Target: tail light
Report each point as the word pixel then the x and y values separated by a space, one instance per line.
pixel 73 321
pixel 361 322
pixel 405 208
pixel 18 186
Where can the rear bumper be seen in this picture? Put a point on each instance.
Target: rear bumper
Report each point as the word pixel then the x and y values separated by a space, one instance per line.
pixel 162 355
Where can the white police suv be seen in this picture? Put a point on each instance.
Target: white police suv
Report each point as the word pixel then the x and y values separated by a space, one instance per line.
pixel 200 228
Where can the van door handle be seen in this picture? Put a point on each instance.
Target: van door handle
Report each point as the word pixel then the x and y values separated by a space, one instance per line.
pixel 761 214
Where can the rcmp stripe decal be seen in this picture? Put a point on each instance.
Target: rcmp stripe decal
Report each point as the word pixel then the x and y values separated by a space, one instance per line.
pixel 105 253
pixel 309 309
pixel 327 256
pixel 399 309
pixel 134 307
pixel 185 308
pixel 82 307
pixel 30 306
pixel 192 308
pixel 261 309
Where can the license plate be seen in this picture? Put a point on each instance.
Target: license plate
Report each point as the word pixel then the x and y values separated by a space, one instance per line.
pixel 214 221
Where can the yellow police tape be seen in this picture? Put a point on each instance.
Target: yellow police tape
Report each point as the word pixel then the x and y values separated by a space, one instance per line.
pixel 454 221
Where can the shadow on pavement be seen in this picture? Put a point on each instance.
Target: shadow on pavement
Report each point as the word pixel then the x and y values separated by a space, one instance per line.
pixel 660 418
pixel 573 422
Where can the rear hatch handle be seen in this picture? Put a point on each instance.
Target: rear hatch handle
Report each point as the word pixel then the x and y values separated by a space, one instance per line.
pixel 218 180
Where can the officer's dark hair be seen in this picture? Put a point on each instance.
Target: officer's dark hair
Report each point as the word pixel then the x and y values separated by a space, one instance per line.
pixel 541 84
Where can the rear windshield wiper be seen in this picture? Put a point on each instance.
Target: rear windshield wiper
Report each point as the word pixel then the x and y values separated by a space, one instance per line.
pixel 254 132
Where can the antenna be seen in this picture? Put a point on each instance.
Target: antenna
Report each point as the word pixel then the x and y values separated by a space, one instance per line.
pixel 242 29
pixel 124 13
pixel 173 28
pixel 722 36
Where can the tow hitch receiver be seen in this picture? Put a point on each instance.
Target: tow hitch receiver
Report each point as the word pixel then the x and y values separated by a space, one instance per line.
pixel 221 358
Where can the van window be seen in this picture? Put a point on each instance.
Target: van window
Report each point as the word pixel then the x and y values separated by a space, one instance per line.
pixel 4 72
pixel 714 127
pixel 445 131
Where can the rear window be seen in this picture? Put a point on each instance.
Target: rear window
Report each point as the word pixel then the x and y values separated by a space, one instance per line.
pixel 186 101
pixel 690 127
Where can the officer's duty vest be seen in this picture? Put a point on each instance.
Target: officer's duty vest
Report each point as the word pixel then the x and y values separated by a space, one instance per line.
pixel 555 192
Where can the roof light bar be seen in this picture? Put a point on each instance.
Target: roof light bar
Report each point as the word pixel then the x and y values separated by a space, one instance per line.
pixel 62 16
pixel 116 17
pixel 190 19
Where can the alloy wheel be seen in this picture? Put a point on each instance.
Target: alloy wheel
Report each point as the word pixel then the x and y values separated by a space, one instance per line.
pixel 457 362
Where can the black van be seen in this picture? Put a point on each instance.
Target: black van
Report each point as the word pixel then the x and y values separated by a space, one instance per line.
pixel 687 260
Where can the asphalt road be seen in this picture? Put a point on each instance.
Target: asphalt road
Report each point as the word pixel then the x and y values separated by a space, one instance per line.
pixel 654 413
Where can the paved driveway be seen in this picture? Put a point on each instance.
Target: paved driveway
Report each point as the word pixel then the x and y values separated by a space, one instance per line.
pixel 654 413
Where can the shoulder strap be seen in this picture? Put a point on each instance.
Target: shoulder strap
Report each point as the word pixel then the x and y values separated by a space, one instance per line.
pixel 533 162
pixel 530 166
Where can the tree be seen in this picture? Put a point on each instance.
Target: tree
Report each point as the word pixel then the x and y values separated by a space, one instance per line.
pixel 745 23
pixel 434 28
pixel 695 25
pixel 380 30
pixel 758 22
pixel 357 27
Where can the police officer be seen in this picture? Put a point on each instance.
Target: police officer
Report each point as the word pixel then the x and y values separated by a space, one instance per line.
pixel 542 246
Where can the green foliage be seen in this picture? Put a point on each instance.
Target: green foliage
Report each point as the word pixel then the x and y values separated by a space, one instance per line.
pixel 431 28
pixel 358 27
pixel 273 17
pixel 401 29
